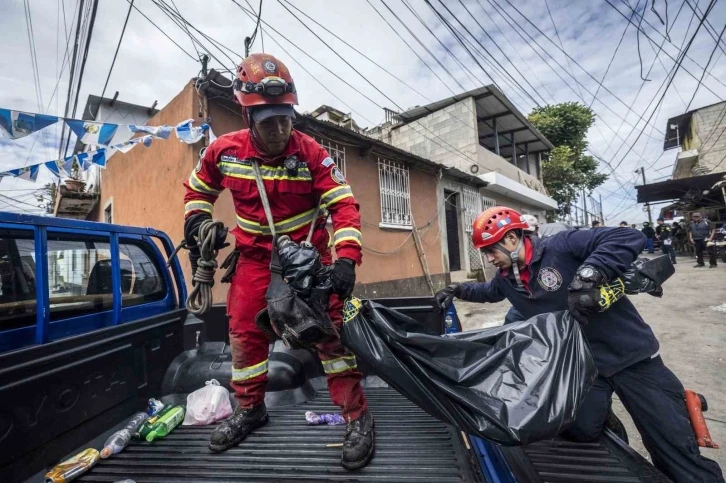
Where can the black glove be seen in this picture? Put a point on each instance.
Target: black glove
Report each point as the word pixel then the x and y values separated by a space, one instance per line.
pixel 343 277
pixel 191 232
pixel 444 296
pixel 584 297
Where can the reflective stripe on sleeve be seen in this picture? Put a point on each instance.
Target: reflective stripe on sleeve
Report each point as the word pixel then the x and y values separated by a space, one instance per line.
pixel 198 205
pixel 200 186
pixel 347 234
pixel 340 364
pixel 250 371
pixel 338 193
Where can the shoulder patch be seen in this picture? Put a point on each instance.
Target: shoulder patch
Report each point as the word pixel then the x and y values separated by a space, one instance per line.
pixel 328 162
pixel 337 175
pixel 549 279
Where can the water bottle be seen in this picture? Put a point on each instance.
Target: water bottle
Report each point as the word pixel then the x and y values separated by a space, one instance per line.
pixel 118 440
pixel 451 320
pixel 167 423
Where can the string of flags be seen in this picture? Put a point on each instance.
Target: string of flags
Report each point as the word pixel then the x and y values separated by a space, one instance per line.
pixel 18 124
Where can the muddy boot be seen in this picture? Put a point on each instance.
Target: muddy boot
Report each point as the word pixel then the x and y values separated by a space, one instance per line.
pixel 236 428
pixel 359 442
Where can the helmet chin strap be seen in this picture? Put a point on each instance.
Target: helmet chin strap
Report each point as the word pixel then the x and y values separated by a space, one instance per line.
pixel 514 257
pixel 257 141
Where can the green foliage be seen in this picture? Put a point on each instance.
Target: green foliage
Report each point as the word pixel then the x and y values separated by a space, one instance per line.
pixel 567 169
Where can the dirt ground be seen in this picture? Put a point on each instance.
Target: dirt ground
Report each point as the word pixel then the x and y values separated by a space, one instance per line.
pixel 690 323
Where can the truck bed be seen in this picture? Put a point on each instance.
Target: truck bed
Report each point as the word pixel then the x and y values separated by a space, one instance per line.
pixel 410 446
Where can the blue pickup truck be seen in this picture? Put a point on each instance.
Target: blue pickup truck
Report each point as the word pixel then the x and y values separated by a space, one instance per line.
pixel 93 324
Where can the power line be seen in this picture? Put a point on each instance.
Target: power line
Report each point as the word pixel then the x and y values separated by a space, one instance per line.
pixel 464 156
pixel 675 59
pixel 672 77
pixel 118 46
pixel 562 46
pixel 164 33
pixel 705 69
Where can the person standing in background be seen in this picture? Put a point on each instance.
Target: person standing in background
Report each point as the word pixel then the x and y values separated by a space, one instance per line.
pixel 701 232
pixel 665 236
pixel 649 233
pixel 623 224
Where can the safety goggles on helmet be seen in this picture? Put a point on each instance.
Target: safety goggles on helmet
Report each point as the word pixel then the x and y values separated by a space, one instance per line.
pixel 271 86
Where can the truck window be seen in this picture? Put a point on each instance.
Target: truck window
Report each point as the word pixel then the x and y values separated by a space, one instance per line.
pixel 79 277
pixel 141 279
pixel 17 280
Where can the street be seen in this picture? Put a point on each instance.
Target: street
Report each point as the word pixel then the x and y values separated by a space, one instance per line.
pixel 690 323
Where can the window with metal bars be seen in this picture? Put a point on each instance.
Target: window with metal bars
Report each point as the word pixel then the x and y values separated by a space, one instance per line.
pixel 395 193
pixel 336 151
pixel 472 206
pixel 487 203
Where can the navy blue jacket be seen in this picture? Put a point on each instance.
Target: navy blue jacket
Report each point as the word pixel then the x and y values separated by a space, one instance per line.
pixel 618 337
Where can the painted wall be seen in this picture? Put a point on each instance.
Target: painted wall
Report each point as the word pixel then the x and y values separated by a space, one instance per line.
pixel 144 188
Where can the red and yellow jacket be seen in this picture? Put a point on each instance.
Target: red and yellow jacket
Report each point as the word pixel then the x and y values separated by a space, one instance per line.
pixel 294 194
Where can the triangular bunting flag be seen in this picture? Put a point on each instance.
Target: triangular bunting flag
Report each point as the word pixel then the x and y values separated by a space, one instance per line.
pixel 20 124
pixel 99 158
pixel 188 133
pixel 96 133
pixel 56 167
pixel 162 132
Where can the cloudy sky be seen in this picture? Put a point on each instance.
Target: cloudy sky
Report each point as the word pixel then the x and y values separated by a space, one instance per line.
pixel 523 36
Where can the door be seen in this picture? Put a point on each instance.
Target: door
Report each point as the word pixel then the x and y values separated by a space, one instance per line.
pixel 452 230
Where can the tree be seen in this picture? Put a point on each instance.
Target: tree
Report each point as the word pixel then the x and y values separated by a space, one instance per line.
pixel 567 170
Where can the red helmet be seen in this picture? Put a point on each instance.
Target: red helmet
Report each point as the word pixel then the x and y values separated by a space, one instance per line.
pixel 264 80
pixel 490 227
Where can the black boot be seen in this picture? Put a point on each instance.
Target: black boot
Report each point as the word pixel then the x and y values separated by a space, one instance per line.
pixel 359 442
pixel 236 428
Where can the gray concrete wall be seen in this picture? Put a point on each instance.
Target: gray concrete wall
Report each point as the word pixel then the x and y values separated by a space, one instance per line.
pixel 709 127
pixel 457 133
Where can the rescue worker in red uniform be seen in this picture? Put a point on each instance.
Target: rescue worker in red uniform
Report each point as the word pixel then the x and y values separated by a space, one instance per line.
pixel 298 174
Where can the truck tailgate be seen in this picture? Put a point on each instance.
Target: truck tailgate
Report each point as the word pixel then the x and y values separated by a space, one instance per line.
pixel 410 446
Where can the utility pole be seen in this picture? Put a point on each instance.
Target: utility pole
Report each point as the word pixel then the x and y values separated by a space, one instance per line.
pixel 584 206
pixel 641 170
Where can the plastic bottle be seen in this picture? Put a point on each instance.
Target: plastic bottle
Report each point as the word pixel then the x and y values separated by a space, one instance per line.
pixel 118 440
pixel 73 467
pixel 150 423
pixel 167 423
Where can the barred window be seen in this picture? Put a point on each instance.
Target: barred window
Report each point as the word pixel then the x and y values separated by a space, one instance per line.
pixel 488 203
pixel 336 151
pixel 395 193
pixel 472 207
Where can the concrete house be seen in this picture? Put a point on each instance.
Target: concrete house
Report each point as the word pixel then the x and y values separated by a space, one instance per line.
pixel 700 134
pixel 478 132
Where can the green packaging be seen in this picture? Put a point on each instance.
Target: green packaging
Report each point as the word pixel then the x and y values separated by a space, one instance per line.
pixel 167 423
pixel 149 424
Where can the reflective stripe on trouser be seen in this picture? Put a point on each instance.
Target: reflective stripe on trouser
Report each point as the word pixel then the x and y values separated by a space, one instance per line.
pixel 250 346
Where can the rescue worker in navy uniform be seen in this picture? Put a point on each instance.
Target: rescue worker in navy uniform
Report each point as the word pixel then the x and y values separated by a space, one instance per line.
pixel 563 272
pixel 298 175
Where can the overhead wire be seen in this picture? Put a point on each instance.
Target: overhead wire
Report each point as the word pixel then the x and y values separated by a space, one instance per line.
pixel 705 69
pixel 463 155
pixel 672 77
pixel 709 27
pixel 562 46
pixel 118 46
pixel 164 33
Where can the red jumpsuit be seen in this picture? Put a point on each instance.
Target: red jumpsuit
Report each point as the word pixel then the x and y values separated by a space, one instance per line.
pixel 294 197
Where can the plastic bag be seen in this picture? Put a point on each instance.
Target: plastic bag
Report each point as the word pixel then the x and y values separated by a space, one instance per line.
pixel 514 384
pixel 647 275
pixel 207 405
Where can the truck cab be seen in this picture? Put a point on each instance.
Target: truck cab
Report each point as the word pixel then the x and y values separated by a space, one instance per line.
pixel 93 324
